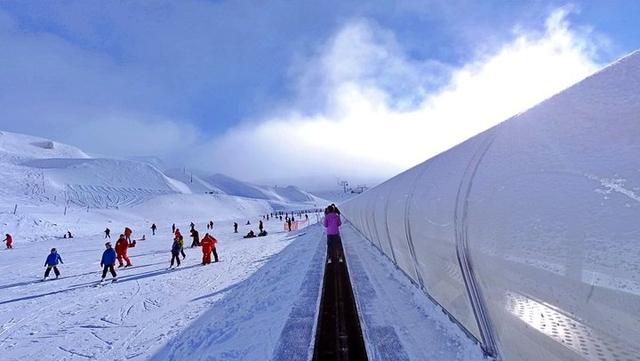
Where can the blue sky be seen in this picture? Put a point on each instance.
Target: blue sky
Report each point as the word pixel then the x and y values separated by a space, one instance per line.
pixel 182 79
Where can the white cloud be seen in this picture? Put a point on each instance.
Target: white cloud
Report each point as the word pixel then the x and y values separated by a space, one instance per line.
pixel 380 114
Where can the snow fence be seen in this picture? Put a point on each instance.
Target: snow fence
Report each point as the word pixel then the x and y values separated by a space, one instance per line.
pixel 528 234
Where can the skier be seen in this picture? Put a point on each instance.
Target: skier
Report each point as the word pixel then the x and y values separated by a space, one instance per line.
pixel 127 233
pixel 108 261
pixel 175 252
pixel 196 238
pixel 153 229
pixel 107 233
pixel 52 262
pixel 235 227
pixel 209 246
pixel 173 228
pixel 211 224
pixel 260 226
pixel 121 251
pixel 181 242
pixel 289 224
pixel 9 240
pixel 334 243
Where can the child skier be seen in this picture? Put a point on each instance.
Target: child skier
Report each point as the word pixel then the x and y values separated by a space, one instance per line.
pixel 52 262
pixel 175 252
pixel 108 261
pixel 9 241
pixel 122 245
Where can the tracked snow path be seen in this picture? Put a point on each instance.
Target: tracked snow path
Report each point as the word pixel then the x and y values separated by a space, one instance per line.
pixel 71 319
pixel 269 315
pixel 399 322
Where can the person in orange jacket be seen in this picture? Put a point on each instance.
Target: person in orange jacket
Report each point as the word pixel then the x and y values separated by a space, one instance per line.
pixel 208 244
pixel 122 245
pixel 127 234
pixel 9 241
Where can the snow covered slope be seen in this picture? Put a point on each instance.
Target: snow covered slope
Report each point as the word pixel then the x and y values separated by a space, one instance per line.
pixel 527 234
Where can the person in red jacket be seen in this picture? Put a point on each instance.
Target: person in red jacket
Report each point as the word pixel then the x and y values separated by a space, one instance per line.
pixel 9 241
pixel 127 234
pixel 208 244
pixel 122 245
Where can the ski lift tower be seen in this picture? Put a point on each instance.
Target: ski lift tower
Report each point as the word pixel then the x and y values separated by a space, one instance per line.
pixel 344 185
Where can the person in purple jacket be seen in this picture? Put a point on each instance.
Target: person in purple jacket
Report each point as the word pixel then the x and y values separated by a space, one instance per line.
pixel 332 223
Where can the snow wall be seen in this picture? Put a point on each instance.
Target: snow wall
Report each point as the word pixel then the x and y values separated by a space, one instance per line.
pixel 528 234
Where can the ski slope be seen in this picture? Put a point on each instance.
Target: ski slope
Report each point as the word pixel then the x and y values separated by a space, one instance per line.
pixel 72 318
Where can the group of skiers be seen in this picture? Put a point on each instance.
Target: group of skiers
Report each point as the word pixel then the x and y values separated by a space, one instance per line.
pixel 208 243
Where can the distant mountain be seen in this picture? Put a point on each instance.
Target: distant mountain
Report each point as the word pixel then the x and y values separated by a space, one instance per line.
pixel 35 170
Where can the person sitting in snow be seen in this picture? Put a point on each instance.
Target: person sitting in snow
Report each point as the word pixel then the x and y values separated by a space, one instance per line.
pixel 52 261
pixel 69 235
pixel 250 234
pixel 262 233
pixel 8 240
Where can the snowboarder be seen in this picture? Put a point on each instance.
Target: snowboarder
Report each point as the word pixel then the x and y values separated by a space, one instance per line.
pixel 262 233
pixel 107 233
pixel 108 261
pixel 250 234
pixel 235 227
pixel 52 263
pixel 153 229
pixel 9 241
pixel 173 228
pixel 175 252
pixel 121 251
pixel 127 233
pixel 209 246
pixel 196 238
pixel 332 222
pixel 260 226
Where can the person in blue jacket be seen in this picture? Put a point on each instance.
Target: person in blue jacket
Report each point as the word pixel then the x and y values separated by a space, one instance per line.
pixel 108 261
pixel 53 259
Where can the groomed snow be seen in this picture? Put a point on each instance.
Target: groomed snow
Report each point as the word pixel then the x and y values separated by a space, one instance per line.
pixel 234 309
